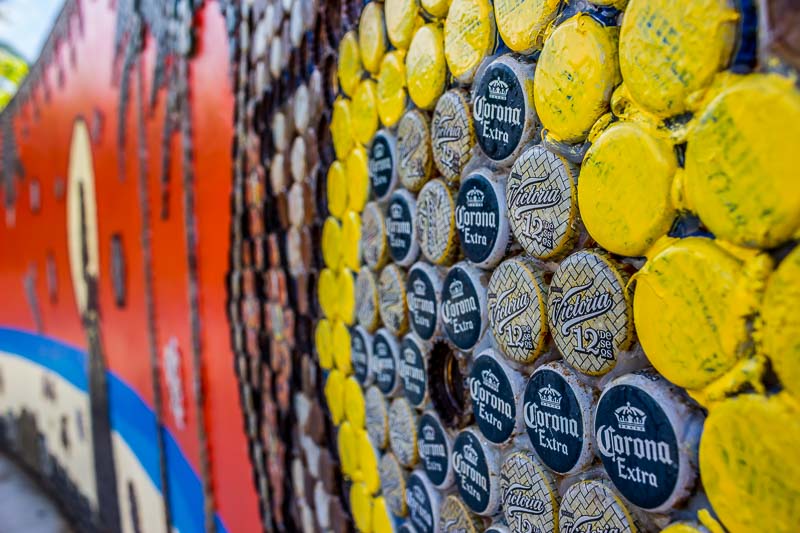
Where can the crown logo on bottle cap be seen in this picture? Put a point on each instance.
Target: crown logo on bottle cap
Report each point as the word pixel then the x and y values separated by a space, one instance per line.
pixel 428 433
pixel 498 89
pixel 457 289
pixel 470 454
pixel 475 198
pixel 490 380
pixel 630 417
pixel 550 397
pixel 419 287
pixel 378 150
pixel 396 211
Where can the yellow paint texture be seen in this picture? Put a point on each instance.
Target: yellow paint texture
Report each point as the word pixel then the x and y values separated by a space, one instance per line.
pixel 332 243
pixel 669 50
pixel 349 68
pixel 575 77
pixel 357 178
pixel 327 293
pixel 346 296
pixel 392 93
pixel 741 166
pixel 748 461
pixel 341 349
pixel 425 66
pixel 381 520
pixel 337 189
pixel 624 188
pixel 436 8
pixel 402 20
pixel 372 36
pixel 364 111
pixel 351 240
pixel 690 322
pixel 323 340
pixel 341 127
pixel 354 407
pixel 368 460
pixel 469 36
pixel 334 395
pixel 361 506
pixel 523 23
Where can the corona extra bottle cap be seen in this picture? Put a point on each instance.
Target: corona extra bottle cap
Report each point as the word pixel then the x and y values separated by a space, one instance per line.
pixel 542 200
pixel 403 432
pixel 357 179
pixel 361 352
pixel 589 311
pixel 377 417
pixel 529 494
pixel 452 134
pixel 517 301
pixel 386 356
pixel 482 218
pixel 469 36
pixel 426 69
pixel 414 157
pixel 372 36
pixel 435 450
pixel 477 471
pixel 364 111
pixel 647 436
pixel 575 76
pixel 464 313
pixel 436 224
pixel 495 390
pixel 413 371
pixel 349 68
pixel 393 484
pixel 663 74
pixel 392 94
pixel 557 408
pixel 367 300
pixel 375 249
pixel 383 165
pixel 595 502
pixel 423 290
pixel 392 299
pixel 621 212
pixel 424 503
pixel 503 109
pixel 401 220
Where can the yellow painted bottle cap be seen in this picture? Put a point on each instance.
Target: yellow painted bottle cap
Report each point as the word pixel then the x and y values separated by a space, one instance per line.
pixel 327 292
pixel 392 93
pixel 392 302
pixel 351 240
pixel 575 76
pixel 690 286
pixel 401 21
pixel 337 189
pixel 357 179
pixel 368 459
pixel 667 53
pixel 354 406
pixel 684 527
pixel 334 395
pixel 367 299
pixel 624 213
pixel 393 484
pixel 523 24
pixel 341 348
pixel 382 521
pixel 332 243
pixel 436 8
pixel 364 110
pixel 323 341
pixel 361 506
pixel 349 67
pixel 377 417
pixel 741 169
pixel 372 36
pixel 590 279
pixel 341 127
pixel 348 448
pixel 781 323
pixel 748 460
pixel 469 36
pixel 346 296
pixel 426 70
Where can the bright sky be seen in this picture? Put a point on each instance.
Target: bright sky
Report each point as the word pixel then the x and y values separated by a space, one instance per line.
pixel 25 24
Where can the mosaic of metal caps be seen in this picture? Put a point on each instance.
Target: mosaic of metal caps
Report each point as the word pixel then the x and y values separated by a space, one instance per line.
pixel 573 309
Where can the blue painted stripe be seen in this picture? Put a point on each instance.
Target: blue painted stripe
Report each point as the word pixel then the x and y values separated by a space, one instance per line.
pixel 131 418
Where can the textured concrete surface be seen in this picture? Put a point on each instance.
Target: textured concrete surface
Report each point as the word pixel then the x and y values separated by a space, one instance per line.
pixel 24 508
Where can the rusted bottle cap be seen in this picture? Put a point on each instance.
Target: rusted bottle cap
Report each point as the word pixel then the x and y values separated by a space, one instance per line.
pixel 435 450
pixel 477 470
pixel 530 498
pixel 558 408
pixel 482 218
pixel 413 371
pixel 423 290
pixel 495 390
pixel 401 228
pixel 386 356
pixel 464 303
